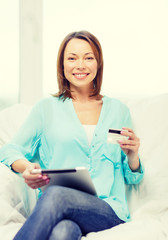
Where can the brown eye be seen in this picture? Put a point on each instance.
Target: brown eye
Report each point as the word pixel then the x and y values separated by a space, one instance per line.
pixel 89 58
pixel 71 59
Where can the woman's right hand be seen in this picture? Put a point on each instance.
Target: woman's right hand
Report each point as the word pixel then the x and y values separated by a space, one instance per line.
pixel 34 180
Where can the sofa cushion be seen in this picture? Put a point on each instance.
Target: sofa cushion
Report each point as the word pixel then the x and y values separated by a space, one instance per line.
pixel 11 119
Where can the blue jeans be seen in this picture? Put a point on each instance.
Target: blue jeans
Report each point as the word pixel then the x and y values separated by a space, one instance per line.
pixel 63 213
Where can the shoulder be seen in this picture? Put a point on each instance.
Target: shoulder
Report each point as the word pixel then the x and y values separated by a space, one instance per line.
pixel 115 103
pixel 47 108
pixel 48 102
pixel 119 111
pixel 50 106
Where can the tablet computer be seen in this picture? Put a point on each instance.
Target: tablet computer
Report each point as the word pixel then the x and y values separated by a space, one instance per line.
pixel 77 178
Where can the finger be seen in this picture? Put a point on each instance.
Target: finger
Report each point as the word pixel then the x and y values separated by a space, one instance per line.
pixel 27 175
pixel 35 181
pixel 129 129
pixel 131 135
pixel 128 142
pixel 129 147
pixel 30 168
pixel 38 185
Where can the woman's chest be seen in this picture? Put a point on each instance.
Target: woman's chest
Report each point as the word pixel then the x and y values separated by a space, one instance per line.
pixel 64 123
pixel 88 113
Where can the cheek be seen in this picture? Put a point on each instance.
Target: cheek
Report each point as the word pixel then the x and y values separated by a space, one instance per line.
pixel 67 68
pixel 93 67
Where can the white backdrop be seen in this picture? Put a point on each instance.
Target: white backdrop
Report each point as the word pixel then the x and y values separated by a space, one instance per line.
pixel 133 35
pixel 9 52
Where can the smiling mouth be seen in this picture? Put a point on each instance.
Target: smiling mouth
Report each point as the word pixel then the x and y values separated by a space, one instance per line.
pixel 80 75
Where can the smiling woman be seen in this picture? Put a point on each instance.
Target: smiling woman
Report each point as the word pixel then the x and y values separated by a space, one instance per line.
pixel 70 130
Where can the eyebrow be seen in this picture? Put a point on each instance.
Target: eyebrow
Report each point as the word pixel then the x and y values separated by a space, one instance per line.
pixel 84 54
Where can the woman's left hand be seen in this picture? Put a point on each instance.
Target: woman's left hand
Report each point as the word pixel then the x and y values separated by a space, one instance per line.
pixel 130 147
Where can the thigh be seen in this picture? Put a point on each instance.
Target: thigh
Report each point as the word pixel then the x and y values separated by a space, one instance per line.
pixel 89 212
pixel 57 203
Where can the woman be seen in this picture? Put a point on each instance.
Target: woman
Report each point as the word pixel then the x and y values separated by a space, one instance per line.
pixel 70 129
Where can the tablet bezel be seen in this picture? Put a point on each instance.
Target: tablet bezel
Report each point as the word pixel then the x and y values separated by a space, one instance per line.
pixel 77 178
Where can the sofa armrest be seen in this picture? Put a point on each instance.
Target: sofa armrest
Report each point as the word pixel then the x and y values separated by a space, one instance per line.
pixel 17 199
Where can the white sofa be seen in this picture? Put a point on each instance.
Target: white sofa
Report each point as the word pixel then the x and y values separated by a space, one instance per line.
pixel 148 202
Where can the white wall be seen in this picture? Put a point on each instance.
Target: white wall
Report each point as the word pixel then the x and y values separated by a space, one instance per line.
pixel 133 34
pixel 9 52
pixel 30 51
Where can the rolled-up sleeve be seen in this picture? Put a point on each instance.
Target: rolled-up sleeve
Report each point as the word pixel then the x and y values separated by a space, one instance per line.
pixel 132 177
pixel 25 143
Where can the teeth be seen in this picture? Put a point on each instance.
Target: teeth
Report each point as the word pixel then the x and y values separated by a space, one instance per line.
pixel 80 75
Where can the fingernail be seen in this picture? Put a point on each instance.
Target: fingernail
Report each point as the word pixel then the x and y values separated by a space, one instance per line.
pixel 44 177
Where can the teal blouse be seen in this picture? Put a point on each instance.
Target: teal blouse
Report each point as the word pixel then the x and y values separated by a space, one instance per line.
pixel 54 133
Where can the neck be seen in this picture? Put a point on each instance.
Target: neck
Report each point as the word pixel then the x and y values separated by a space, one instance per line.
pixel 81 94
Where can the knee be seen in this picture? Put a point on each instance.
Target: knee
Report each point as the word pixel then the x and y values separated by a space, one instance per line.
pixel 66 229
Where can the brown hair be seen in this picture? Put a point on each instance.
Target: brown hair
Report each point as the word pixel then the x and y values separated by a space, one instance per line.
pixel 63 83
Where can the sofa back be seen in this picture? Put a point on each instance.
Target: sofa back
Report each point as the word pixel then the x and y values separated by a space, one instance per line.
pixel 150 121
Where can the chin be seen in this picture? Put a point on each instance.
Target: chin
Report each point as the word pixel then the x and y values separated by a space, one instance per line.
pixel 82 83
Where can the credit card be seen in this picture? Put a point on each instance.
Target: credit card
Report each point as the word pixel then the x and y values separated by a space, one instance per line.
pixel 114 135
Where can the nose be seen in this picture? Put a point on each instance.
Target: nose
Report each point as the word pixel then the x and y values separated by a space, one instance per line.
pixel 80 64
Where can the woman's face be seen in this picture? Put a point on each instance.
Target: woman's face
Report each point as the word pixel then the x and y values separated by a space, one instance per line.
pixel 80 64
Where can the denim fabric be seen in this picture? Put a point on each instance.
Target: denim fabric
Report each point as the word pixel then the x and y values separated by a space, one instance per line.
pixel 65 229
pixel 62 213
